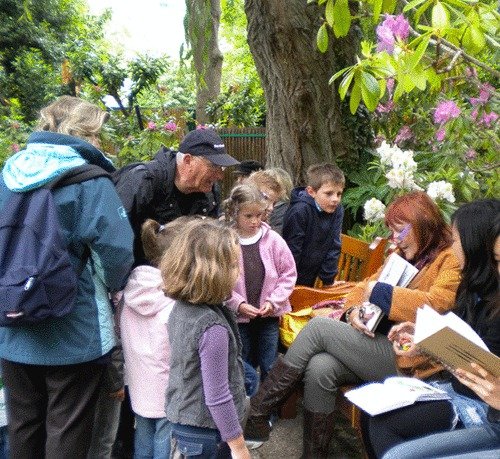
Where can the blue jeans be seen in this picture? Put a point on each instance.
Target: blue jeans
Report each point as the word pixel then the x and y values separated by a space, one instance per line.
pixel 199 442
pixel 4 443
pixel 251 379
pixel 152 438
pixel 483 442
pixel 260 339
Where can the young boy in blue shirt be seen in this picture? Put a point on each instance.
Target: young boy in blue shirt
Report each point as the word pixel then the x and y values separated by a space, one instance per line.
pixel 313 223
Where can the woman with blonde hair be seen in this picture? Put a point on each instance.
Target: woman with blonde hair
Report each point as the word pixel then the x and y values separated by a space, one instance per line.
pixel 53 370
pixel 205 399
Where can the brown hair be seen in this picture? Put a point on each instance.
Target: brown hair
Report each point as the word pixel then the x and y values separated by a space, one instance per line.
pixel 157 238
pixel 431 231
pixel 72 116
pixel 319 174
pixel 246 193
pixel 201 264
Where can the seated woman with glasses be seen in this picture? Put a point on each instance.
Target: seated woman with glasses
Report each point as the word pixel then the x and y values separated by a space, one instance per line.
pixel 328 354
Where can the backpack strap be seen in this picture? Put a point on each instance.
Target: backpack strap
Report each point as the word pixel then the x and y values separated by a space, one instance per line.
pixel 77 175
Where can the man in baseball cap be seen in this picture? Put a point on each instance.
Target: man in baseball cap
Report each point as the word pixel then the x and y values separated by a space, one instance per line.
pixel 174 183
pixel 208 144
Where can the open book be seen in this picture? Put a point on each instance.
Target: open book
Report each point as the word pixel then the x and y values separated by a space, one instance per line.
pixel 395 392
pixel 450 340
pixel 397 272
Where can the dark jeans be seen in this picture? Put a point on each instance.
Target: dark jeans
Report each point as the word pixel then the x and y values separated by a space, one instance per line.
pixel 51 409
pixel 260 343
pixel 199 442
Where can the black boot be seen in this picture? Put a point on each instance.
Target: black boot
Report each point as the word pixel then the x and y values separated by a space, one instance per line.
pixel 318 431
pixel 276 388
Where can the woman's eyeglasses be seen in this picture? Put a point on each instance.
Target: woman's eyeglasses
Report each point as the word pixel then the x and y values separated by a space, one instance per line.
pixel 401 236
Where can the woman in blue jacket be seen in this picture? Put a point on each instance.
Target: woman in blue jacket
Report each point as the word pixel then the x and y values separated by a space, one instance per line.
pixel 52 370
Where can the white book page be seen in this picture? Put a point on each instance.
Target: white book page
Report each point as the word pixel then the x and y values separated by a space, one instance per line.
pixel 378 398
pixel 397 271
pixel 429 322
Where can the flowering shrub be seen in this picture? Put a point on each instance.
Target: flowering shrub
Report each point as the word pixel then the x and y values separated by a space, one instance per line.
pixel 392 173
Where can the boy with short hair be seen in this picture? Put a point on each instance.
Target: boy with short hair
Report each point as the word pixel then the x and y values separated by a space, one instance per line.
pixel 313 223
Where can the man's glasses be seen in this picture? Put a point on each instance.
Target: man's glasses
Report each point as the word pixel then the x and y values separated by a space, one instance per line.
pixel 211 165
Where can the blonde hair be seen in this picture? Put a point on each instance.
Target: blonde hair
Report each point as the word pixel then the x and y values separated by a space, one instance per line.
pixel 241 195
pixel 284 179
pixel 319 174
pixel 157 238
pixel 72 116
pixel 201 264
pixel 266 179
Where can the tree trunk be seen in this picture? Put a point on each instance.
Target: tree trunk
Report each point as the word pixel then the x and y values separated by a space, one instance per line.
pixel 203 19
pixel 305 122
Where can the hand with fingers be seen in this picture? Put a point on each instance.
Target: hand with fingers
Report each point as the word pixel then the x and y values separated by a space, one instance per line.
pixel 483 383
pixel 401 336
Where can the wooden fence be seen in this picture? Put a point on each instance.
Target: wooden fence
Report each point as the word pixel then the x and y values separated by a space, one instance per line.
pixel 242 143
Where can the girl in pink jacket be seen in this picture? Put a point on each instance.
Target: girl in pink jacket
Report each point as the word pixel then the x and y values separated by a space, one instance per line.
pixel 146 349
pixel 267 277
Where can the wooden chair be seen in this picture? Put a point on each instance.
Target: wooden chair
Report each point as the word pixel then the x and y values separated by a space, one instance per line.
pixel 358 260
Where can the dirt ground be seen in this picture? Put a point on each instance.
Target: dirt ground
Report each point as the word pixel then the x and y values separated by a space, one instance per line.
pixel 286 440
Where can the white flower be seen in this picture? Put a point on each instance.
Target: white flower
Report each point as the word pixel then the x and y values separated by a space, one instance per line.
pixel 404 160
pixel 441 190
pixel 374 210
pixel 385 151
pixel 400 179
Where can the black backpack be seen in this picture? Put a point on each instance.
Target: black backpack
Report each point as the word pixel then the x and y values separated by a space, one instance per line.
pixel 37 278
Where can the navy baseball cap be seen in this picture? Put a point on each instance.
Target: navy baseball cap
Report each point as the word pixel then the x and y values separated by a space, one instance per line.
pixel 207 143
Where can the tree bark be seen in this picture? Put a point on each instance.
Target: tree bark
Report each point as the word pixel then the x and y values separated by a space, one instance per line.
pixel 202 31
pixel 305 123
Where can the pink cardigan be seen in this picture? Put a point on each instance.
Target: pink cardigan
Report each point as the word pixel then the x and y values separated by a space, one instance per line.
pixel 146 348
pixel 280 277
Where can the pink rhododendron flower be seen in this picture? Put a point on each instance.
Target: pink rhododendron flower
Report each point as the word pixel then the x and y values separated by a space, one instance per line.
pixel 473 114
pixel 440 135
pixel 388 107
pixel 15 147
pixel 393 27
pixel 151 126
pixel 170 126
pixel 487 119
pixel 201 126
pixel 485 92
pixel 470 154
pixel 390 85
pixel 445 111
pixel 405 133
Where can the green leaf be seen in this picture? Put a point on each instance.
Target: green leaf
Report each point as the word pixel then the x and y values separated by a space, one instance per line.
pixel 366 48
pixel 412 4
pixel 474 39
pixel 345 83
pixel 355 96
pixel 407 82
pixel 388 6
pixel 377 8
pixel 370 90
pixel 440 16
pixel 422 9
pixel 329 12
pixel 398 91
pixel 418 78
pixel 340 72
pixel 342 16
pixel 322 38
pixel 419 52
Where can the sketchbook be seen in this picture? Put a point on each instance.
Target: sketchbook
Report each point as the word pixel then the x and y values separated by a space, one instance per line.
pixel 450 340
pixel 395 392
